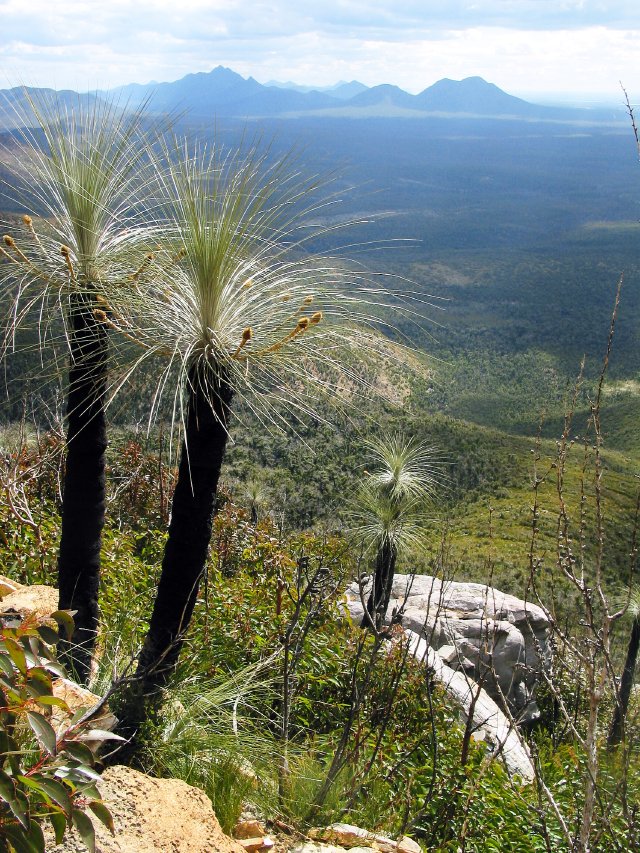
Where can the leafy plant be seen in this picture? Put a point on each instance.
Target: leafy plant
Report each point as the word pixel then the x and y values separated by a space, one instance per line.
pixel 45 775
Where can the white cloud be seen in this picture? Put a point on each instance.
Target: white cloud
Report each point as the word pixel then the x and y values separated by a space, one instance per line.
pixel 519 44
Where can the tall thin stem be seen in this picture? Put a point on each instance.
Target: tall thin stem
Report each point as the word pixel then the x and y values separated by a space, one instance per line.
pixel 83 502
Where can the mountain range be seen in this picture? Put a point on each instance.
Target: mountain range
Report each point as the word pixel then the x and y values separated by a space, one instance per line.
pixel 224 93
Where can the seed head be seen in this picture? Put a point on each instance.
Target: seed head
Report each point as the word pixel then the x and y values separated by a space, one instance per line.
pixel 307 300
pixel 315 318
pixel 246 337
pixel 100 315
pixel 9 241
pixel 303 323
pixel 28 221
pixel 65 251
pixel 248 282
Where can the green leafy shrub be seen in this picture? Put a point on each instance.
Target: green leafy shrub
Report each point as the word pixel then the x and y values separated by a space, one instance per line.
pixel 44 775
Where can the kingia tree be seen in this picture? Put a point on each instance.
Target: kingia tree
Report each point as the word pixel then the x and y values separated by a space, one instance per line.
pixel 238 309
pixel 79 174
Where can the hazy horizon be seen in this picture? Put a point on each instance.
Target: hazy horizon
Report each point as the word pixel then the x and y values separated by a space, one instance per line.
pixel 556 98
pixel 535 49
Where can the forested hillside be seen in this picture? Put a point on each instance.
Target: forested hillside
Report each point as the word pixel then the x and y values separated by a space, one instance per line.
pixel 482 428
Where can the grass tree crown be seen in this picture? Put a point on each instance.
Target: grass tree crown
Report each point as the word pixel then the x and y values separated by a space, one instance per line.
pixel 232 292
pixel 80 175
pixel 392 501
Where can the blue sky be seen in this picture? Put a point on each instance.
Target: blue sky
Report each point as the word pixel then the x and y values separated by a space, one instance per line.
pixel 583 47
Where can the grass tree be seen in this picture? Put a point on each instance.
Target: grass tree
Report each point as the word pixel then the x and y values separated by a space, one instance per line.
pixel 239 310
pixel 78 174
pixel 391 511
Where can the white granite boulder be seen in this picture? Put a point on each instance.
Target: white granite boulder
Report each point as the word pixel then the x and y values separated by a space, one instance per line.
pixel 496 639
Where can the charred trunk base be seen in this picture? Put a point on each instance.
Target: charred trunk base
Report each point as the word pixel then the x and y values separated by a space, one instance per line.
pixel 187 546
pixel 83 499
pixel 382 583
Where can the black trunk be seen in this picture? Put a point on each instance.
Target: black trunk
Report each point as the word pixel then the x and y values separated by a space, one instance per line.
pixel 380 594
pixel 626 683
pixel 83 499
pixel 187 546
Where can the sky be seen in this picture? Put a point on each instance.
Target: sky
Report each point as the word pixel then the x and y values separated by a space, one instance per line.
pixel 557 49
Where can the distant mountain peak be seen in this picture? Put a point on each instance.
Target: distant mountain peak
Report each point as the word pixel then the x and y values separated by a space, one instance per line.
pixel 223 92
pixel 471 95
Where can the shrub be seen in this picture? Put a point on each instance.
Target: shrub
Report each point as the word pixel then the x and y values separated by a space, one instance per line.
pixel 44 775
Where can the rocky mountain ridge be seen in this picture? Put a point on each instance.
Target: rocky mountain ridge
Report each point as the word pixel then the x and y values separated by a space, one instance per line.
pixel 222 92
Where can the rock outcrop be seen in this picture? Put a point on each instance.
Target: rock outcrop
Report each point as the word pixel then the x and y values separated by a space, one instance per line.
pixel 479 642
pixel 152 815
pixel 345 836
pixel 497 639
pixel 18 601
pixel 488 719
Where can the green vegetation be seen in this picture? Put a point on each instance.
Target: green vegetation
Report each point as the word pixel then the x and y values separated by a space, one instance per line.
pixel 45 777
pixel 390 511
pixel 284 702
pixel 401 768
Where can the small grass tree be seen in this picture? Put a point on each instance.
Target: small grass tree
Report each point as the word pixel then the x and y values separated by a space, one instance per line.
pixel 391 513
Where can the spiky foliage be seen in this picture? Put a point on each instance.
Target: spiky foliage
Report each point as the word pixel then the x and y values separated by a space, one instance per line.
pixel 215 735
pixel 81 171
pixel 402 477
pixel 236 293
pixel 238 308
pixel 391 510
pixel 404 468
pixel 80 175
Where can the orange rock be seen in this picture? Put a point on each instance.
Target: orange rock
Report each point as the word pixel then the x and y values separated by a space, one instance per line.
pixel 253 845
pixel 248 829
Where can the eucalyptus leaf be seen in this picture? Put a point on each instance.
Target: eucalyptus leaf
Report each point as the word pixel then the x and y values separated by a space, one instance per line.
pixel 64 618
pixel 103 814
pixel 81 774
pixel 20 840
pixel 57 792
pixel 48 634
pixel 84 826
pixel 36 836
pixel 43 731
pixel 99 734
pixel 20 808
pixel 55 667
pixel 5 664
pixel 52 702
pixel 59 824
pixel 79 751
pixel 78 715
pixel 16 653
pixel 7 787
